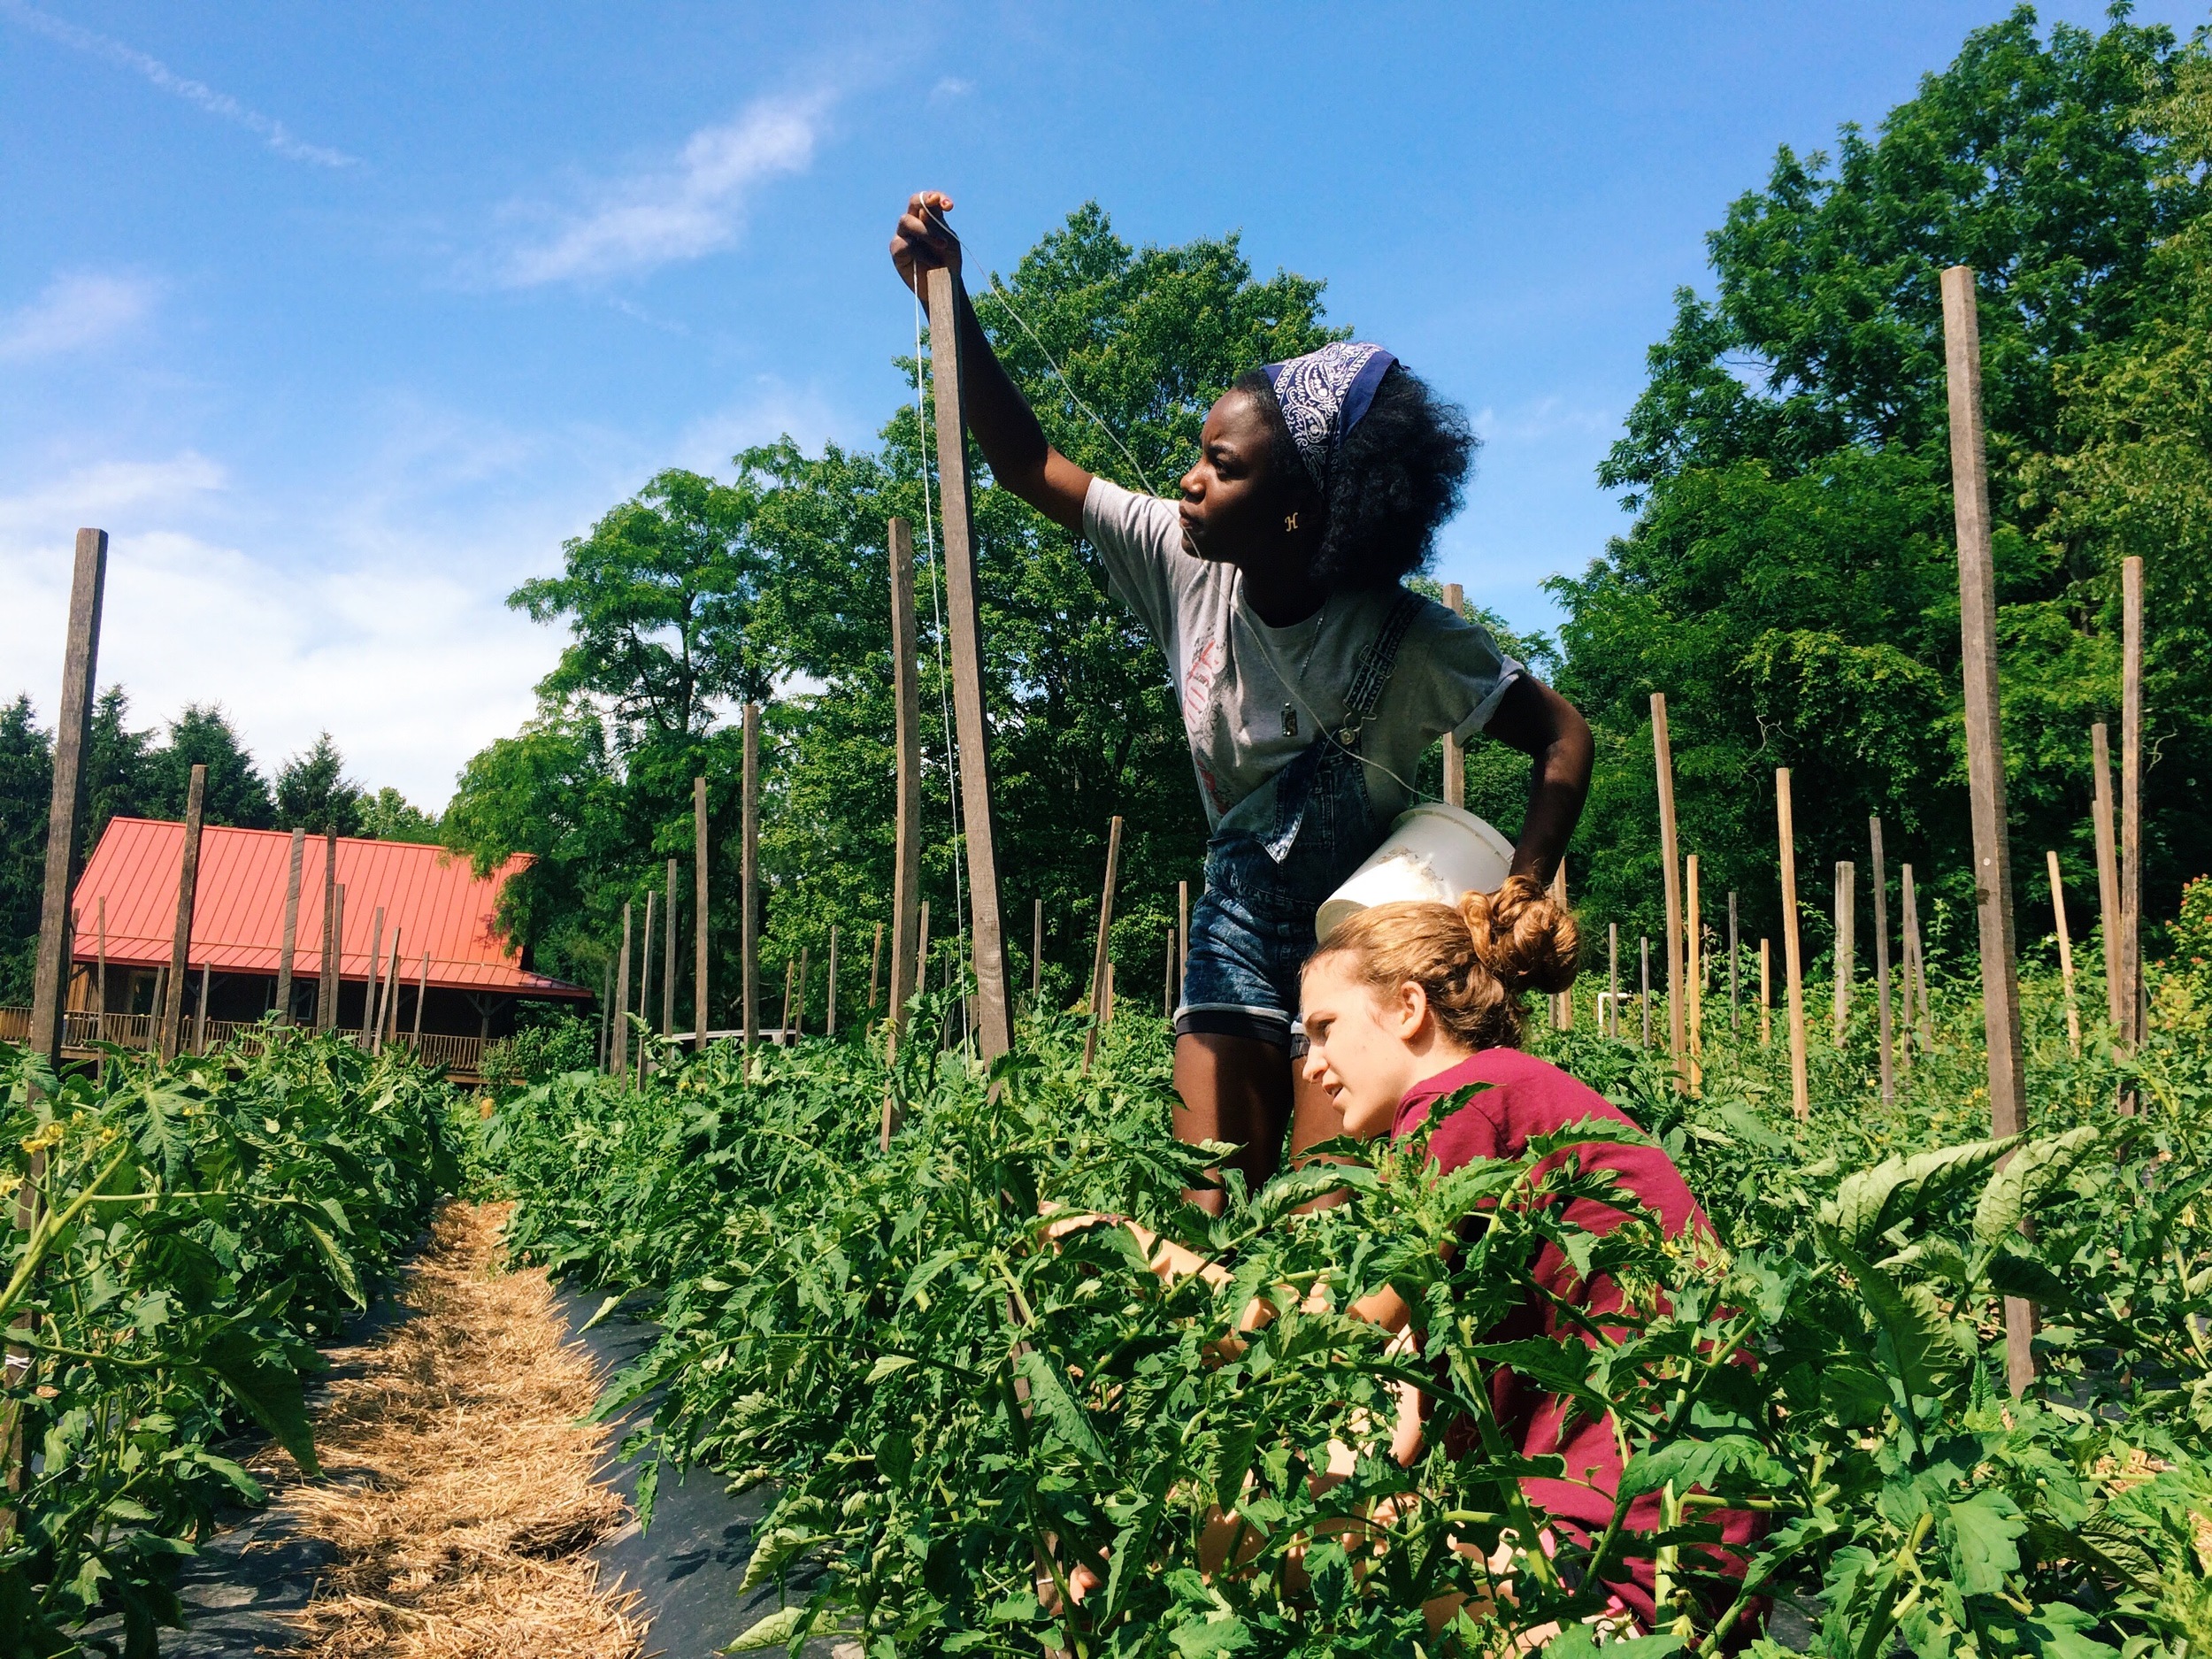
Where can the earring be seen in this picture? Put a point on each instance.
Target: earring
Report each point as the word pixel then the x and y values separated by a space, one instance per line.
pixel 1290 522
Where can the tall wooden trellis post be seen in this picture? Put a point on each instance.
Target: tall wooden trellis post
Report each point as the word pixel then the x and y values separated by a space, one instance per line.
pixel 1670 854
pixel 749 860
pixel 50 985
pixel 1986 751
pixel 906 861
pixel 326 984
pixel 187 892
pixel 1792 952
pixel 2131 801
pixel 993 1027
pixel 290 948
pixel 700 1001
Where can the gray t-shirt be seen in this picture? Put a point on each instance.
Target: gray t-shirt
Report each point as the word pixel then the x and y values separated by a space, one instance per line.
pixel 1254 697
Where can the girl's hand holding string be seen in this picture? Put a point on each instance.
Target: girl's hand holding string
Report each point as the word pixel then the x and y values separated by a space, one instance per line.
pixel 923 240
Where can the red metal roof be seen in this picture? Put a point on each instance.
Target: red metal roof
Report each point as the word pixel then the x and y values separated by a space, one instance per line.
pixel 431 896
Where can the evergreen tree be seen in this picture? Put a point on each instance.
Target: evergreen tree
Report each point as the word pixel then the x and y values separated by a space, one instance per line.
pixel 26 789
pixel 236 792
pixel 119 770
pixel 314 794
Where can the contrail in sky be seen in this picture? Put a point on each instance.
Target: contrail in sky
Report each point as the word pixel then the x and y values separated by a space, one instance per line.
pixel 271 132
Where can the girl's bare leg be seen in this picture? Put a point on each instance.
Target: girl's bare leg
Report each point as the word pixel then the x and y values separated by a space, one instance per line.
pixel 1235 1089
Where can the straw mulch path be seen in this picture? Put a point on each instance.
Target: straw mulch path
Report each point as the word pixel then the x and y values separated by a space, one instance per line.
pixel 461 1493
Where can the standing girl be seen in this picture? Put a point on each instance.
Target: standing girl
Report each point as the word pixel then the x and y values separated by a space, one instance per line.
pixel 1310 680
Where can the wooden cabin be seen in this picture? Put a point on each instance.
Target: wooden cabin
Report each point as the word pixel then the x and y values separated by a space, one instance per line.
pixel 459 979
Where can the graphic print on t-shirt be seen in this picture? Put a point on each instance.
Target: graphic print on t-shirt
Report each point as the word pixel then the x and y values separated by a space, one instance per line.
pixel 1198 685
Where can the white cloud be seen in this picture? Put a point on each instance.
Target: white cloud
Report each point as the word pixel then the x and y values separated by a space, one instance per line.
pixel 78 309
pixel 198 93
pixel 676 212
pixel 952 87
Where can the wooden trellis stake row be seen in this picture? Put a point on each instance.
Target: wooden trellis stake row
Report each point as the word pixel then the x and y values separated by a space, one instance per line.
pixel 1670 855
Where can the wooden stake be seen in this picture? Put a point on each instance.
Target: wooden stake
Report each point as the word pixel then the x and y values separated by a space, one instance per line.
pixel 668 957
pixel 1563 1002
pixel 748 859
pixel 799 1016
pixel 2131 801
pixel 1694 971
pixel 701 1001
pixel 875 970
pixel 389 1028
pixel 188 886
pixel 1735 1023
pixel 645 980
pixel 619 1057
pixel 1670 854
pixel 1100 964
pixel 289 951
pixel 422 993
pixel 326 984
pixel 606 1015
pixel 829 1028
pixel 906 869
pixel 338 951
pixel 1167 978
pixel 1613 975
pixel 66 805
pixel 100 1020
pixel 1792 961
pixel 1916 1012
pixel 376 962
pixel 1847 954
pixel 1645 998
pixel 921 950
pixel 1985 752
pixel 199 1014
pixel 1454 758
pixel 1884 1033
pixel 1766 994
pixel 1036 949
pixel 2108 875
pixel 2065 953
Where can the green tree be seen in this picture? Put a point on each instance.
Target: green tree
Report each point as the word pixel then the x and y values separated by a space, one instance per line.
pixel 119 772
pixel 1790 580
pixel 26 789
pixel 314 794
pixel 203 736
pixel 389 816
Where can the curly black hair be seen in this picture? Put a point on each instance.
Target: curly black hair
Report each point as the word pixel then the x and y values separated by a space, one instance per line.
pixel 1401 473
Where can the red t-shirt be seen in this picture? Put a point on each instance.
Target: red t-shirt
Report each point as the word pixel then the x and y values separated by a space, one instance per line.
pixel 1530 1097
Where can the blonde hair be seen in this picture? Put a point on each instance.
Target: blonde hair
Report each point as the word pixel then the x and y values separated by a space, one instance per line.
pixel 1474 960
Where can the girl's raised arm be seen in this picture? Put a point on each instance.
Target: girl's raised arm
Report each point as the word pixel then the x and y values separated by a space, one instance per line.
pixel 998 414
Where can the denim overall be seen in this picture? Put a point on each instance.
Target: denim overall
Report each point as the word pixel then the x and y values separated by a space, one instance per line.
pixel 1252 929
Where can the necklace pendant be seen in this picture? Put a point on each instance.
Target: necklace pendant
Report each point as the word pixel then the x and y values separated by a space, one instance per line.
pixel 1290 720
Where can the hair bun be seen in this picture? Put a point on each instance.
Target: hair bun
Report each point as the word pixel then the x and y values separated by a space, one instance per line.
pixel 1523 937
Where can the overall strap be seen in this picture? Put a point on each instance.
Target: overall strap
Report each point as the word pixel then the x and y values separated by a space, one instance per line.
pixel 1376 664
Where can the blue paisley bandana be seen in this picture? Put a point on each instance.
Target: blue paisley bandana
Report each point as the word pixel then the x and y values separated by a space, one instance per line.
pixel 1324 394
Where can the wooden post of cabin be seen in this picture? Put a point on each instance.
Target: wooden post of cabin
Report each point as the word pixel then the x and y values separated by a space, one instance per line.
pixel 1694 971
pixel 618 1048
pixel 1846 955
pixel 288 950
pixel 1985 752
pixel 1884 1030
pixel 749 856
pixel 1793 960
pixel 2107 872
pixel 1766 994
pixel 368 997
pixel 668 957
pixel 1645 998
pixel 2065 953
pixel 1613 974
pixel 906 867
pixel 199 1012
pixel 1670 854
pixel 701 1002
pixel 326 984
pixel 1454 757
pixel 422 994
pixel 994 1028
pixel 100 1020
pixel 2131 801
pixel 1735 1023
pixel 187 887
pixel 1100 993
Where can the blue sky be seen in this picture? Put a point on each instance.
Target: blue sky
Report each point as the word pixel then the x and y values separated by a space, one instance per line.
pixel 340 318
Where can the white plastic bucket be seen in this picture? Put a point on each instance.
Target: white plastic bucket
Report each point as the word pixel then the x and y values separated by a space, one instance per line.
pixel 1434 852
